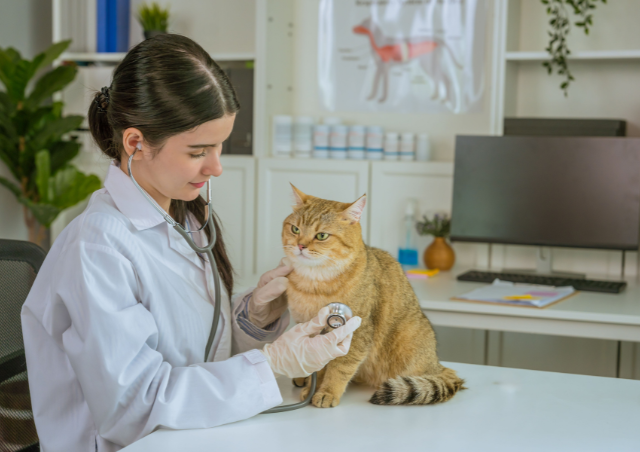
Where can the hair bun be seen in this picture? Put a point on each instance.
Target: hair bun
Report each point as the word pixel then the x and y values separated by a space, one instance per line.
pixel 102 99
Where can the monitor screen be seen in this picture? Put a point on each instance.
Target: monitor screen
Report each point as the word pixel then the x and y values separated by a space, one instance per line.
pixel 581 192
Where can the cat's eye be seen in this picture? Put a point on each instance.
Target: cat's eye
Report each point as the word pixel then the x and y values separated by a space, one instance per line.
pixel 295 230
pixel 322 236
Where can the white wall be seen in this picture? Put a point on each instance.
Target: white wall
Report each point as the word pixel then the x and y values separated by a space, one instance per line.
pixel 441 127
pixel 602 89
pixel 26 26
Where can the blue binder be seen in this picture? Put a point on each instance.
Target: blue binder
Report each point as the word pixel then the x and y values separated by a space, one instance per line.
pixel 113 25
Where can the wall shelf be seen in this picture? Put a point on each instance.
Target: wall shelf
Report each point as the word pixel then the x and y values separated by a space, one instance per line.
pixel 593 55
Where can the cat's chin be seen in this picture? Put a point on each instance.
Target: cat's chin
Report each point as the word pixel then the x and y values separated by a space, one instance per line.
pixel 315 271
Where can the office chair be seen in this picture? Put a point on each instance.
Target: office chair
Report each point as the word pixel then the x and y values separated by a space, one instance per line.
pixel 19 264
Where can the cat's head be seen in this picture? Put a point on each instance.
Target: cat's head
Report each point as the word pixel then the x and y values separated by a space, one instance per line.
pixel 321 237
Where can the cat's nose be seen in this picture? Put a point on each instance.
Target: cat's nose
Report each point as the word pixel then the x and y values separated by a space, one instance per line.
pixel 301 246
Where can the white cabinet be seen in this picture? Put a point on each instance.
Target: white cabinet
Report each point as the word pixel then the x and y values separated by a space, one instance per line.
pixel 233 198
pixel 337 180
pixel 430 184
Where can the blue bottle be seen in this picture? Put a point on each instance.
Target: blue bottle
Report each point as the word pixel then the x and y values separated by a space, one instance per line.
pixel 408 250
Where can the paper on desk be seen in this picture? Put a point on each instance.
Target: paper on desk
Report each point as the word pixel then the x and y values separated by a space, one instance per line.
pixel 505 292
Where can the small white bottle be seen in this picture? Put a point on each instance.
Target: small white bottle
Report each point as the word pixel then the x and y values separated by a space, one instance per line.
pixel 356 142
pixel 302 136
pixel 423 149
pixel 338 142
pixel 407 146
pixel 391 146
pixel 321 141
pixel 282 136
pixel 374 143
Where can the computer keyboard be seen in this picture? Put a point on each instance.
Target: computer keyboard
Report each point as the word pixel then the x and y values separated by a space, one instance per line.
pixel 588 285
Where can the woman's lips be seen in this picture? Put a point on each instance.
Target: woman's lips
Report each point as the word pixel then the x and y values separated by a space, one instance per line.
pixel 200 185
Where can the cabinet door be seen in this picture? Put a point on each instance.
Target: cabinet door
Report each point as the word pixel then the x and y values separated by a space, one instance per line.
pixel 337 180
pixel 233 201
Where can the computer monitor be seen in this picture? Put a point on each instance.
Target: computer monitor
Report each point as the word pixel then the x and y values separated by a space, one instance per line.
pixel 580 192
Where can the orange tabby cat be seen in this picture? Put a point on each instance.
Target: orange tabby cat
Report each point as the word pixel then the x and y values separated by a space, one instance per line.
pixel 394 349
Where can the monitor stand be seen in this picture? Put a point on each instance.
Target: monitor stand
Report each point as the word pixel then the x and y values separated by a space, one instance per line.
pixel 544 263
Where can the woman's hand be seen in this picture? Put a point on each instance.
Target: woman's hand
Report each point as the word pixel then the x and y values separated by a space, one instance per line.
pixel 296 354
pixel 269 301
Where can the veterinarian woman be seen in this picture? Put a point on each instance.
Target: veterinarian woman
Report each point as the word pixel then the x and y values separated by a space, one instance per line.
pixel 117 323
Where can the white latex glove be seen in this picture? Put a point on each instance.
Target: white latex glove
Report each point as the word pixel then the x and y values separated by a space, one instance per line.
pixel 269 301
pixel 295 354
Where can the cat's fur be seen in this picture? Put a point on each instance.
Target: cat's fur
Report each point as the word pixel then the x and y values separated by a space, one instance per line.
pixel 394 349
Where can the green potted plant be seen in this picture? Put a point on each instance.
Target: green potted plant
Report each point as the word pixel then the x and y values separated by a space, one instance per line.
pixel 34 142
pixel 154 19
pixel 439 254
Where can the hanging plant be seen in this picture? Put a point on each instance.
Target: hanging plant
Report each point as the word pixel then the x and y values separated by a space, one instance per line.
pixel 560 26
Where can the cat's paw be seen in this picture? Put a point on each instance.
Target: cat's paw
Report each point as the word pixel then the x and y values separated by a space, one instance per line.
pixel 299 382
pixel 304 393
pixel 325 400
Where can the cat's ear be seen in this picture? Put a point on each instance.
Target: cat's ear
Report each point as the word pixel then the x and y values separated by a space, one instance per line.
pixel 354 211
pixel 299 198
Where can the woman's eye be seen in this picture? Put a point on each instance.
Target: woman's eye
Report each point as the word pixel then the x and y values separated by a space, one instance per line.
pixel 322 236
pixel 295 230
pixel 195 156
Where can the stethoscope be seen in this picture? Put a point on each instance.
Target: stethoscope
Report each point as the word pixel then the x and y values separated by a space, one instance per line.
pixel 338 313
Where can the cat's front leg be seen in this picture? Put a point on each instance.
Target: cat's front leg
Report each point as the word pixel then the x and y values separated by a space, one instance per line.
pixel 337 375
pixel 306 382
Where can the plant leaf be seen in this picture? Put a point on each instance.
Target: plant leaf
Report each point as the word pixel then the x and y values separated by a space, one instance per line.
pixel 53 52
pixel 6 105
pixel 53 130
pixel 50 83
pixel 7 67
pixel 62 152
pixel 69 186
pixel 43 174
pixel 9 155
pixel 44 213
pixel 13 188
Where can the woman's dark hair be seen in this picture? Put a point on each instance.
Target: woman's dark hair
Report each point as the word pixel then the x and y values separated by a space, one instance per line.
pixel 165 85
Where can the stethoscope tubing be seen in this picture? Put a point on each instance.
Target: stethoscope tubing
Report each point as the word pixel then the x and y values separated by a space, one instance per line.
pixel 208 250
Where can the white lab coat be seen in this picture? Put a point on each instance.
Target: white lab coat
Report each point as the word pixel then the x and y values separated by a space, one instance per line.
pixel 115 329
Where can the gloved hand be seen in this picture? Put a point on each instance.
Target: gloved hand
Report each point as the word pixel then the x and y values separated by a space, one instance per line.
pixel 295 354
pixel 269 301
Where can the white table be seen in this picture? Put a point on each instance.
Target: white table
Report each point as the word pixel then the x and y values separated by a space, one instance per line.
pixel 503 410
pixel 587 314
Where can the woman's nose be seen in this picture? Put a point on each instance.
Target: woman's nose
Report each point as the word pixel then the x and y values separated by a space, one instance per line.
pixel 212 165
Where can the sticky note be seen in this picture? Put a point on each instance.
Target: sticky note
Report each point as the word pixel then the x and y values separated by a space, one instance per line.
pixel 520 297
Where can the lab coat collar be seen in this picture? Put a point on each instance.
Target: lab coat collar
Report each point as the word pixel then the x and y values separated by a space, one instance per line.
pixel 129 200
pixel 179 244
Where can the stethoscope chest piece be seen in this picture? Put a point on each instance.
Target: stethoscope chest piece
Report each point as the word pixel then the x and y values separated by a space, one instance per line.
pixel 339 314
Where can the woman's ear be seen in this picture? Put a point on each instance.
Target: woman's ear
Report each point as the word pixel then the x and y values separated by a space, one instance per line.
pixel 132 139
pixel 354 211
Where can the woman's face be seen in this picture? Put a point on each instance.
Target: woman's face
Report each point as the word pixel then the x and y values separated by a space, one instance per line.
pixel 183 165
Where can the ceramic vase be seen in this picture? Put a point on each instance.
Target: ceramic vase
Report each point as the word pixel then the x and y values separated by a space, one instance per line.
pixel 439 255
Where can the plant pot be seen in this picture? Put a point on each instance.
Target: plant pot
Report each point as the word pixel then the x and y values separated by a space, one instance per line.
pixel 439 255
pixel 148 34
pixel 38 234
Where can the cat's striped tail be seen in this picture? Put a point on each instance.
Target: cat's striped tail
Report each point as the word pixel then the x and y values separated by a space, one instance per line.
pixel 422 390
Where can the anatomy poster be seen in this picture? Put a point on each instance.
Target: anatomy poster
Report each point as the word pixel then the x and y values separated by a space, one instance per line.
pixel 413 56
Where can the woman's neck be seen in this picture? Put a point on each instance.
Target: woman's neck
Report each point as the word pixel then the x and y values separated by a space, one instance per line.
pixel 162 200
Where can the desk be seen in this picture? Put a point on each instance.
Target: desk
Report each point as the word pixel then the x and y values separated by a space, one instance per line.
pixel 503 410
pixel 587 314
